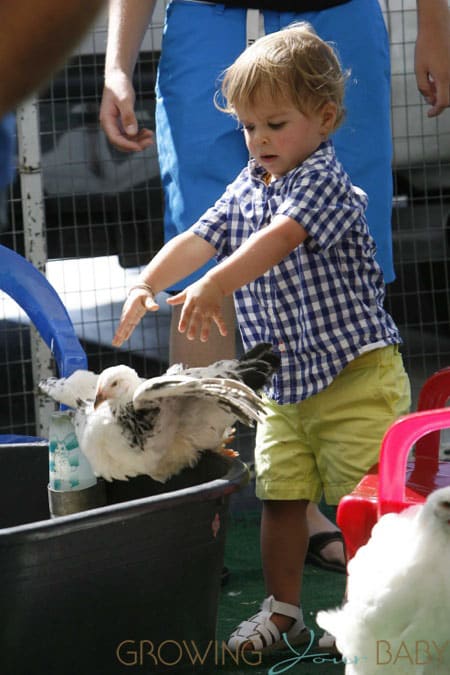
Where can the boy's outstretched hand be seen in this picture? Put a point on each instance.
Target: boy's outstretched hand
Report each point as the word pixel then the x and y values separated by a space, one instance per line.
pixel 139 302
pixel 202 306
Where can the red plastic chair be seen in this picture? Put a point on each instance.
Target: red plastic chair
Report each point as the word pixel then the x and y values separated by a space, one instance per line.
pixel 394 483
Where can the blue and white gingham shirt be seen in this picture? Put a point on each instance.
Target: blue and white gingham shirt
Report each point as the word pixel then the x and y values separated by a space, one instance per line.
pixel 323 304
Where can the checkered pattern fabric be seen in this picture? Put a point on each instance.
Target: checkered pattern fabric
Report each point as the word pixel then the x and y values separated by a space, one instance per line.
pixel 323 303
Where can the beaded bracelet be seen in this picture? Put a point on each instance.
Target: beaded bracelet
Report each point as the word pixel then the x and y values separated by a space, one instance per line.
pixel 144 287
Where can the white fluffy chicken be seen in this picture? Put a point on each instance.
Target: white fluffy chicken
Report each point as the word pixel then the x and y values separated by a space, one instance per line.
pixel 128 426
pixel 396 619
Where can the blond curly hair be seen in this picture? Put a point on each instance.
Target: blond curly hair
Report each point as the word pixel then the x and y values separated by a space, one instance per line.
pixel 293 65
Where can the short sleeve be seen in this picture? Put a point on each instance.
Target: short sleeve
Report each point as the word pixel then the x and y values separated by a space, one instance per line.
pixel 212 226
pixel 325 205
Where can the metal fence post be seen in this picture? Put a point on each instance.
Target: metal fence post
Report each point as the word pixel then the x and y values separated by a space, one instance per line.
pixel 32 192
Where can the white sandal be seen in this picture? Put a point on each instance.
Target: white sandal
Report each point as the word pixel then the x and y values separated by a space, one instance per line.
pixel 264 635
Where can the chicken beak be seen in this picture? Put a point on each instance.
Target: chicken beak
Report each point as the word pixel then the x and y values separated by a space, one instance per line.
pixel 100 398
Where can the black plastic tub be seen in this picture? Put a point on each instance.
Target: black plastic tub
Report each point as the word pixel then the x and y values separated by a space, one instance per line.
pixel 131 587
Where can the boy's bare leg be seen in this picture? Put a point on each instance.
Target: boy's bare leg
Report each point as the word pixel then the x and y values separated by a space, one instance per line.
pixel 284 540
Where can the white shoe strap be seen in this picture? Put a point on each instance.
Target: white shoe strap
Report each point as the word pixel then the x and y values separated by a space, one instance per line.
pixel 271 605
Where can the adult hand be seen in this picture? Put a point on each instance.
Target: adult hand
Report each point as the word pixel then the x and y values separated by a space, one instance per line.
pixel 432 59
pixel 117 115
pixel 138 303
pixel 202 307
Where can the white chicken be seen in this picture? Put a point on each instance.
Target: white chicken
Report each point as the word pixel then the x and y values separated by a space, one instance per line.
pixel 396 618
pixel 128 426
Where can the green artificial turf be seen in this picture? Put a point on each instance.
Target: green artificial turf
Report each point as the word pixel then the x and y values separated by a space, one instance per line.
pixel 241 596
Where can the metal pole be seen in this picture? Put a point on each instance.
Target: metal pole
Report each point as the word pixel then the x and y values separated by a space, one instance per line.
pixel 32 192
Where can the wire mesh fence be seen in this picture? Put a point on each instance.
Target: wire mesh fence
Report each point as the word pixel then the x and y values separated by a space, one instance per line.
pixel 419 298
pixel 103 219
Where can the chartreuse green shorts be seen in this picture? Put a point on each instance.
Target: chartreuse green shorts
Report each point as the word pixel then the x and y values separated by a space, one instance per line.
pixel 325 444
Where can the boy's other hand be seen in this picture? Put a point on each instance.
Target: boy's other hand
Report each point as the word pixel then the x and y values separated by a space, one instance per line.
pixel 202 307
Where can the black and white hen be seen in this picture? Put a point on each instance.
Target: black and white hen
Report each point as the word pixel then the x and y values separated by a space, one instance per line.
pixel 128 426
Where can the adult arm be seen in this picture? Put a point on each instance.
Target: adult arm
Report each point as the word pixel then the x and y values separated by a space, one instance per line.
pixel 432 54
pixel 36 38
pixel 127 23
